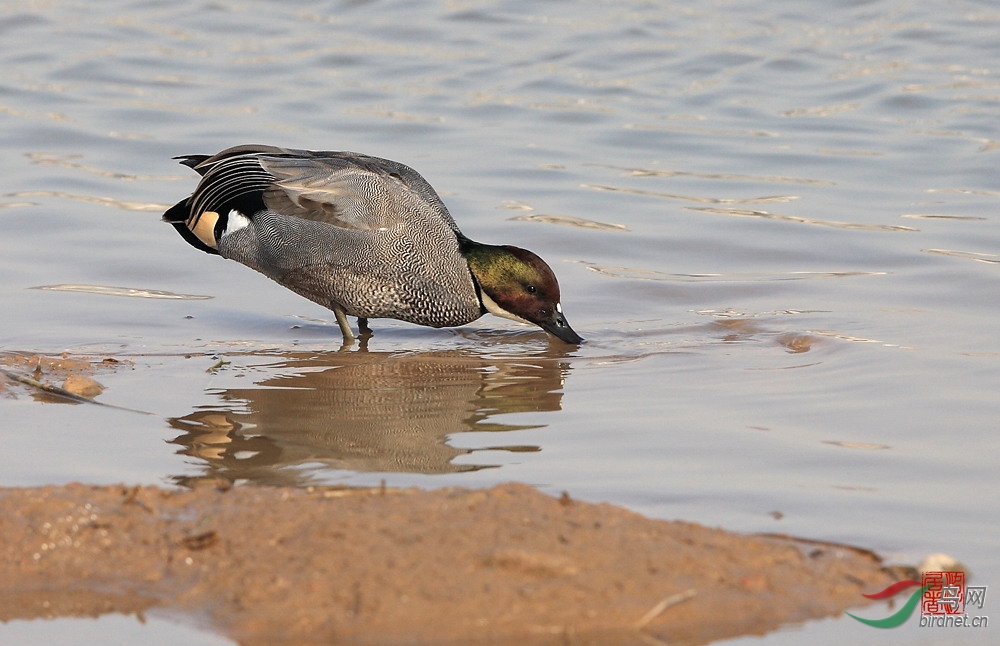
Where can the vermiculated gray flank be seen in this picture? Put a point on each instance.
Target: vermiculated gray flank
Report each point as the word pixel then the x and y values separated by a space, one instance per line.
pixel 363 236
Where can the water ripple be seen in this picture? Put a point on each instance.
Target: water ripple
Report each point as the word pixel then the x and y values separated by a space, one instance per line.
pixel 130 292
pixel 751 277
pixel 95 199
pixel 659 172
pixel 570 221
pixel 966 255
pixel 692 198
pixel 767 215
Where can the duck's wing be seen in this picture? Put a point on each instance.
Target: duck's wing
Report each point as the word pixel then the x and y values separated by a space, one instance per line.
pixel 350 190
pixel 344 189
pixel 231 179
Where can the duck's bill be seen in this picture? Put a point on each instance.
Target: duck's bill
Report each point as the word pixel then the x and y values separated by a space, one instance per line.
pixel 558 327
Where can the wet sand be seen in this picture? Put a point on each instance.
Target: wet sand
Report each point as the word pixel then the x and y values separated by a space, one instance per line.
pixel 384 566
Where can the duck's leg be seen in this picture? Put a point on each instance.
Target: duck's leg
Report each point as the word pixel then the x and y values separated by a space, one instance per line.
pixel 363 328
pixel 344 325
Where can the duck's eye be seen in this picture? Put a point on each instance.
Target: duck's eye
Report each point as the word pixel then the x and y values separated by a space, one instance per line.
pixel 531 289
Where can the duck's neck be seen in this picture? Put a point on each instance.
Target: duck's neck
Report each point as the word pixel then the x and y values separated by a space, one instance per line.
pixel 481 257
pixel 491 266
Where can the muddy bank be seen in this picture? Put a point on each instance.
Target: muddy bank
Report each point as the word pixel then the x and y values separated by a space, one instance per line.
pixel 503 565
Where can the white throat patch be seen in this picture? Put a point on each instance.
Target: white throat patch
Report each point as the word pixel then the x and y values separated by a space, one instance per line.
pixel 496 310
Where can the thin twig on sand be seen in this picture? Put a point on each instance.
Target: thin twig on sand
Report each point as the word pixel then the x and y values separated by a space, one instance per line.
pixel 658 609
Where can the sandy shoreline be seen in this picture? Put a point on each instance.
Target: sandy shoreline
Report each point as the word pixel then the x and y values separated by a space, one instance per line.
pixel 502 565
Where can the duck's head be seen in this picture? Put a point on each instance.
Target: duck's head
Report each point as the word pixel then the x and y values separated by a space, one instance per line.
pixel 516 284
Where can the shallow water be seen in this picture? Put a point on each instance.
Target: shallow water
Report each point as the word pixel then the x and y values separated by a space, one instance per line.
pixel 776 226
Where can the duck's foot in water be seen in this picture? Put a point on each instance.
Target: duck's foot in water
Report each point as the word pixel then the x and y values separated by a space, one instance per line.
pixel 345 327
pixel 363 328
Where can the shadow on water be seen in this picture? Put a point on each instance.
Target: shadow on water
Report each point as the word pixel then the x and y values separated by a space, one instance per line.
pixel 364 411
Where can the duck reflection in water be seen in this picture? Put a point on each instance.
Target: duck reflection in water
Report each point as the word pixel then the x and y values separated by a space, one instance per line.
pixel 365 412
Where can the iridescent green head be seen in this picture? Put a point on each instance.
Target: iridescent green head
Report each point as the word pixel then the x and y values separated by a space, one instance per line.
pixel 516 284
